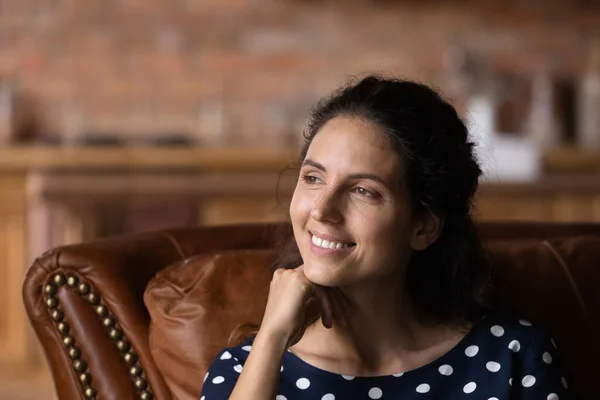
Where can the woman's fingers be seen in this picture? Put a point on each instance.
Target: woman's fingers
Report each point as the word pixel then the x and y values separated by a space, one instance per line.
pixel 332 309
pixel 326 307
pixel 333 304
pixel 343 301
pixel 339 315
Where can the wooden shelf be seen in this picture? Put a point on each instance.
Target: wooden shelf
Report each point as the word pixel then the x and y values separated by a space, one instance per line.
pixel 571 160
pixel 229 159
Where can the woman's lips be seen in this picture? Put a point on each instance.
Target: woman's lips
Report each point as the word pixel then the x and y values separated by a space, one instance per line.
pixel 328 244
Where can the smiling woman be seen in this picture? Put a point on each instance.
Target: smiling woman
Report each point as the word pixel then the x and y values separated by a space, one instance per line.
pixel 384 251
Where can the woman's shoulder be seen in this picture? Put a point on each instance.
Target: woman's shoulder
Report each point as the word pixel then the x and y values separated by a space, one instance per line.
pixel 509 332
pixel 237 354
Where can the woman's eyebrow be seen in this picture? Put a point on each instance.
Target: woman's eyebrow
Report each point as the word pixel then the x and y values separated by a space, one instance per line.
pixel 373 177
pixel 308 161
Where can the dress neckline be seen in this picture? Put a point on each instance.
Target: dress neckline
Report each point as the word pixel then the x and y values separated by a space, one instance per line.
pixel 438 362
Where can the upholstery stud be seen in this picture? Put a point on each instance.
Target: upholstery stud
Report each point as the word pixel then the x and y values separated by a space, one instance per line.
pixel 52 302
pixel 63 328
pixel 146 395
pixel 80 366
pixel 102 310
pixel 84 288
pixel 68 341
pixel 140 383
pixel 115 334
pixel 108 322
pixel 85 378
pixel 93 298
pixel 50 288
pixel 72 281
pixel 123 345
pixel 74 353
pixel 59 279
pixel 89 393
pixel 57 315
pixel 130 358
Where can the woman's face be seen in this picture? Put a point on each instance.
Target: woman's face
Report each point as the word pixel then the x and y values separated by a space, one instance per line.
pixel 350 210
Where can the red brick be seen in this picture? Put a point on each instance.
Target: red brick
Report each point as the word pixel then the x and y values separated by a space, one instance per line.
pixel 114 56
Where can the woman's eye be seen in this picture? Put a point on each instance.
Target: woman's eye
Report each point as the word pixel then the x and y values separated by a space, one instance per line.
pixel 311 180
pixel 364 192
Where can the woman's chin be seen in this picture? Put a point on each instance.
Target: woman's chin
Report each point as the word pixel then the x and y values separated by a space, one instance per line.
pixel 322 276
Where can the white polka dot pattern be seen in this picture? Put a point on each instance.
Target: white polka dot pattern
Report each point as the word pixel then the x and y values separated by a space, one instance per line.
pixel 552 396
pixel 280 397
pixel 528 381
pixel 514 346
pixel 423 388
pixel 446 370
pixel 547 357
pixel 470 387
pixel 472 351
pixel 226 355
pixel 375 393
pixel 497 330
pixel 303 383
pixel 398 375
pixel 218 379
pixel 493 366
pixel 347 377
pixel 328 396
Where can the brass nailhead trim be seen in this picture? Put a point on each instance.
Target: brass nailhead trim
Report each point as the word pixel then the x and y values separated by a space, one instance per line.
pixel 68 341
pixel 63 328
pixel 115 334
pixel 89 392
pixel 52 303
pixel 80 366
pixel 102 310
pixel 108 320
pixel 93 298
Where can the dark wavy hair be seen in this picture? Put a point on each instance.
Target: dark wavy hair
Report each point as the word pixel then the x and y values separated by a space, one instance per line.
pixel 450 281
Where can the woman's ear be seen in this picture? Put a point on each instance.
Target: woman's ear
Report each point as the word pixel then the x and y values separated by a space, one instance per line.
pixel 427 230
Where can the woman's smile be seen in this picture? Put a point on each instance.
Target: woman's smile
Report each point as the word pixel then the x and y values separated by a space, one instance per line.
pixel 323 244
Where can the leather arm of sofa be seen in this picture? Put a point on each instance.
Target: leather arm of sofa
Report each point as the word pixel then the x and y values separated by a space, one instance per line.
pixel 85 303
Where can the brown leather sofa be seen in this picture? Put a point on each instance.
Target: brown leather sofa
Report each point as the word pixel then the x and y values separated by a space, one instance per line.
pixel 141 316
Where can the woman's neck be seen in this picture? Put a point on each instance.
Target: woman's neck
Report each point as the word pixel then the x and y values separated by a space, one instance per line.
pixel 385 334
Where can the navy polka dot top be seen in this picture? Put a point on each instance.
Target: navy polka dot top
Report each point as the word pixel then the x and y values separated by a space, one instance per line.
pixel 499 359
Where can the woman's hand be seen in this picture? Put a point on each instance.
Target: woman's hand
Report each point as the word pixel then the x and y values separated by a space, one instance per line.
pixel 294 301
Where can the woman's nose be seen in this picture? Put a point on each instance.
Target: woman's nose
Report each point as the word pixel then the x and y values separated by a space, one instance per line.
pixel 327 209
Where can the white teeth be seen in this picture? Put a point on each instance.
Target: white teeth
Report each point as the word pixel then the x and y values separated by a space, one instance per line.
pixel 326 244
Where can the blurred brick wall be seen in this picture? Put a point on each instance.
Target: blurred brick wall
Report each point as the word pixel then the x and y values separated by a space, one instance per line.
pixel 232 70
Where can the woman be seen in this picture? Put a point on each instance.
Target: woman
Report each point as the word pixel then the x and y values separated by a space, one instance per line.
pixel 390 258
